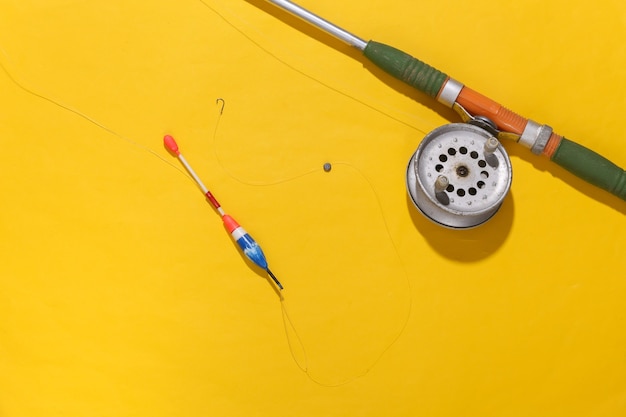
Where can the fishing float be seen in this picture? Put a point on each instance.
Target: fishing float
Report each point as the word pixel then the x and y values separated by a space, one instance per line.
pixel 246 243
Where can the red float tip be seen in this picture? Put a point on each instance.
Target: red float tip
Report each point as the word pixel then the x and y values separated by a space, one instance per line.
pixel 170 143
pixel 230 223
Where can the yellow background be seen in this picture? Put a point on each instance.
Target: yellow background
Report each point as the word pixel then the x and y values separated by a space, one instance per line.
pixel 122 295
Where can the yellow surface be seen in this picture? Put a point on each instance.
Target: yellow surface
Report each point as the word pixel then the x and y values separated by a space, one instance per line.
pixel 121 294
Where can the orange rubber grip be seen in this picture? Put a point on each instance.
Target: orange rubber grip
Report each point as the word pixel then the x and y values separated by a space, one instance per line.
pixel 505 119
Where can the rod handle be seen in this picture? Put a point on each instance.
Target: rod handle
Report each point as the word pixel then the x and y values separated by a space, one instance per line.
pixel 591 167
pixel 405 67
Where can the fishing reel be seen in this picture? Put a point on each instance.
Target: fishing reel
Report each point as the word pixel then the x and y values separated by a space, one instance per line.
pixel 460 173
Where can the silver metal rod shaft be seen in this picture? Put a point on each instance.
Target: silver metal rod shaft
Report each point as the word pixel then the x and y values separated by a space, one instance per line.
pixel 323 24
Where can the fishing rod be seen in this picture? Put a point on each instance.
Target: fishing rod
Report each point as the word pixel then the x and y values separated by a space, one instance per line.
pixel 455 177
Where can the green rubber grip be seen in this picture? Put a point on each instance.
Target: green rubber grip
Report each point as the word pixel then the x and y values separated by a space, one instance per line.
pixel 406 68
pixel 591 167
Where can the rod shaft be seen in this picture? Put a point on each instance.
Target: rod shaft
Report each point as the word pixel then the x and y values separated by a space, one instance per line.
pixel 321 23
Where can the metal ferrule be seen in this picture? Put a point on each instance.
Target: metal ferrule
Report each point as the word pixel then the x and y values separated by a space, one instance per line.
pixel 543 136
pixel 529 136
pixel 449 92
pixel 535 137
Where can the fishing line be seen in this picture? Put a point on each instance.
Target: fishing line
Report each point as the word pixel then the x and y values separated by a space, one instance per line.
pixel 7 65
pixel 300 355
pixel 24 87
pixel 295 343
pixel 302 72
pixel 228 172
pixel 297 347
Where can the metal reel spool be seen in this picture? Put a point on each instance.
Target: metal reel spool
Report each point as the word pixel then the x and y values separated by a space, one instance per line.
pixel 459 175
